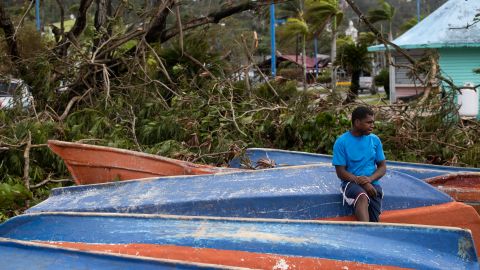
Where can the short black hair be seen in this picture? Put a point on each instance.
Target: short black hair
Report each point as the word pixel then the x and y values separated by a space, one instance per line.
pixel 360 113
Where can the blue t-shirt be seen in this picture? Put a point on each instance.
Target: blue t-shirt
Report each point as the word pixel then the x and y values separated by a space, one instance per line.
pixel 359 154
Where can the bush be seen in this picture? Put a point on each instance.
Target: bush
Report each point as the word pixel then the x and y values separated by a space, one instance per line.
pixel 383 79
pixel 286 90
pixel 325 76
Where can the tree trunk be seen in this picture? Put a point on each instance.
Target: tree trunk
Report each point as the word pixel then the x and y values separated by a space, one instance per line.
pixel 333 54
pixel 9 30
pixel 77 29
pixel 304 63
pixel 104 30
pixel 354 87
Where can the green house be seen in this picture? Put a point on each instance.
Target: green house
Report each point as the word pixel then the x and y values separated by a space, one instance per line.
pixel 453 33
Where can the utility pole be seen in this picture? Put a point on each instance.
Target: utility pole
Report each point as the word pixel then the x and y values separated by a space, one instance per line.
pixel 333 54
pixel 273 23
pixel 272 40
pixel 315 45
pixel 418 11
pixel 37 14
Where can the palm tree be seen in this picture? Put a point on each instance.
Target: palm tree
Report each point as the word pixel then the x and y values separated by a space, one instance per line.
pixel 311 17
pixel 319 13
pixel 386 12
pixel 291 9
pixel 408 24
pixel 354 58
pixel 298 27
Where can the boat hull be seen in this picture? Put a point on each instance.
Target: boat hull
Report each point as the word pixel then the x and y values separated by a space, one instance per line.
pixel 30 255
pixel 292 158
pixel 91 164
pixel 229 258
pixel 463 187
pixel 310 243
pixel 299 192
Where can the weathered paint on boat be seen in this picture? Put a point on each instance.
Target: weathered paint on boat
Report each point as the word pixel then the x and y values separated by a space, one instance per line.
pixel 418 247
pixel 454 214
pixel 29 255
pixel 463 187
pixel 298 192
pixel 90 164
pixel 227 257
pixel 291 158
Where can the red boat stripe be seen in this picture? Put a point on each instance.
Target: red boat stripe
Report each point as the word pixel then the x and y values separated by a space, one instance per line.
pixel 223 257
pixel 453 214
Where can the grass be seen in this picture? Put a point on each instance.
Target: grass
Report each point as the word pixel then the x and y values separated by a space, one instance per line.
pixel 68 24
pixel 377 99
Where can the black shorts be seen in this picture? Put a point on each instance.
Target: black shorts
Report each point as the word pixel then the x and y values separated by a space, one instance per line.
pixel 352 191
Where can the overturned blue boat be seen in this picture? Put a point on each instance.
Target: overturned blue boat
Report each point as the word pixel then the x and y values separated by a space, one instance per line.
pixel 297 192
pixel 283 158
pixel 243 242
pixel 31 255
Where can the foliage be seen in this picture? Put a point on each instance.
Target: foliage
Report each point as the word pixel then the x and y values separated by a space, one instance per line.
pixel 294 27
pixel 319 12
pixel 383 79
pixel 286 91
pixel 383 12
pixel 354 58
pixel 367 38
pixel 408 24
pixel 319 133
pixel 13 197
pixel 325 76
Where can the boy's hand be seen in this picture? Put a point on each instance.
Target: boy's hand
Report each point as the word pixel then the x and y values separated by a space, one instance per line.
pixel 362 180
pixel 370 189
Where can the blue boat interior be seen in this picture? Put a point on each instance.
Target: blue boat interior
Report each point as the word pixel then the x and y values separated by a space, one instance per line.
pixel 284 158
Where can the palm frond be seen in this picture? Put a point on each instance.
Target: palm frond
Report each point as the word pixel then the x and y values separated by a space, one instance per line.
pixel 295 26
pixel 386 12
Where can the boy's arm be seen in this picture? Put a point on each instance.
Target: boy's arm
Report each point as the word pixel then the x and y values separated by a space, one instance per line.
pixel 363 181
pixel 343 174
pixel 379 172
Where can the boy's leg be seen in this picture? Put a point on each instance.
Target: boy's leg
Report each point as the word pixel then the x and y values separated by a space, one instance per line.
pixel 356 196
pixel 362 209
pixel 375 206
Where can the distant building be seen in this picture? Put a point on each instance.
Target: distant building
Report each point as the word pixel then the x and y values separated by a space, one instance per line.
pixel 291 61
pixel 451 32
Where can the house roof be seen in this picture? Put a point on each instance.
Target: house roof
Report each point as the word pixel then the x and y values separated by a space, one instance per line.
pixel 449 26
pixel 322 60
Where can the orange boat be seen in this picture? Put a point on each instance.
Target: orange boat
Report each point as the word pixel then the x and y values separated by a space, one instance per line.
pixel 92 164
pixel 463 187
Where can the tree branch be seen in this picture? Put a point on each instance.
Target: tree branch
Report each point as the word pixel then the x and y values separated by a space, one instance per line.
pixel 159 21
pixel 78 27
pixel 377 33
pixel 7 26
pixel 26 157
pixel 213 17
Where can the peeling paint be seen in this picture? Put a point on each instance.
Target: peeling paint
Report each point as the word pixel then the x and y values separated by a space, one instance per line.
pixel 281 265
pixel 464 247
